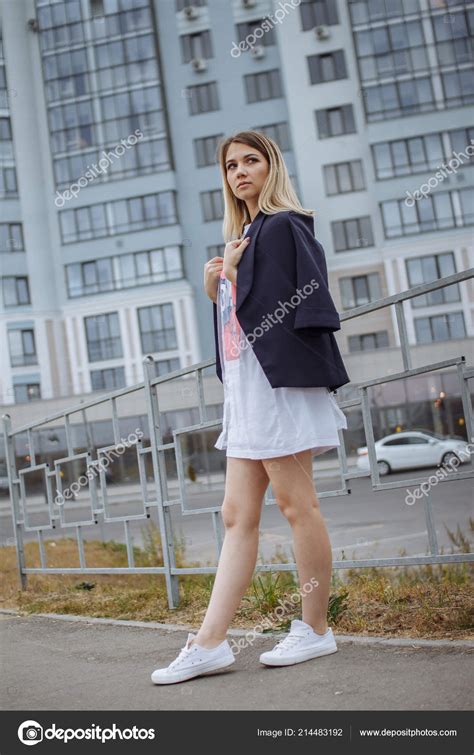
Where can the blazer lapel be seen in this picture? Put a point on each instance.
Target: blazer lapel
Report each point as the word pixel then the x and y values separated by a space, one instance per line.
pixel 245 269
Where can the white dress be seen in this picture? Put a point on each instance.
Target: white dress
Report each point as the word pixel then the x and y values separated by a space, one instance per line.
pixel 261 422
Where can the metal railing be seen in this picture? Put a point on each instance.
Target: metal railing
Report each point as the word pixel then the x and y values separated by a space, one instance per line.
pixel 157 448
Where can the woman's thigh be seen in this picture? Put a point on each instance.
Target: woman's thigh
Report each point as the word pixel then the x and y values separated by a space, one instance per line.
pixel 291 478
pixel 245 484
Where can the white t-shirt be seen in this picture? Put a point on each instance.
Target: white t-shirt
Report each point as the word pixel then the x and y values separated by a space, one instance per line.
pixel 259 421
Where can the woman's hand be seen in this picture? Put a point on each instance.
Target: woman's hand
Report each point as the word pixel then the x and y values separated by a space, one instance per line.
pixel 232 254
pixel 212 271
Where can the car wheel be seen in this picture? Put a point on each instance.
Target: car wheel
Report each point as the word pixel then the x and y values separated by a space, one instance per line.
pixel 383 467
pixel 449 457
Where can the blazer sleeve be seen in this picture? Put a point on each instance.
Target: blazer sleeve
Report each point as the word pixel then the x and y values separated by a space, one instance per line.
pixel 316 308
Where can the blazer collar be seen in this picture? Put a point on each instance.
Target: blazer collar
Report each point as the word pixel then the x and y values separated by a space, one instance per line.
pixel 246 264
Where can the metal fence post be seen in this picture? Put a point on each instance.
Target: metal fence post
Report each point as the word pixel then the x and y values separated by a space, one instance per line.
pixel 14 500
pixel 159 474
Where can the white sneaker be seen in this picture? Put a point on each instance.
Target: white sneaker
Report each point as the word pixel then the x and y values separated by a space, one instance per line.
pixel 194 660
pixel 301 644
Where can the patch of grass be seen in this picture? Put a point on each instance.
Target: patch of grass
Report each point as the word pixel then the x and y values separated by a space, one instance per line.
pixel 430 601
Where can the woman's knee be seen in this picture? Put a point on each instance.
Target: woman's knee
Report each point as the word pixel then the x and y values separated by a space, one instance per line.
pixel 294 507
pixel 234 515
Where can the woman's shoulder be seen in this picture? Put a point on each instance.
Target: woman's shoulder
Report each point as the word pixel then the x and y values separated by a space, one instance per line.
pixel 289 214
pixel 288 218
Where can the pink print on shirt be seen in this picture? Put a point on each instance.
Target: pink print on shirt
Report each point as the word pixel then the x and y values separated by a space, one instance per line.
pixel 230 324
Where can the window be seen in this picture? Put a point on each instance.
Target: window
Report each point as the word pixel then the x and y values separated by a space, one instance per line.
pixel 440 327
pixel 359 290
pixel 212 204
pixel 431 268
pixel 458 87
pixel 97 7
pixel 353 233
pixel 22 347
pixel 108 379
pixel 181 4
pixel 11 237
pixel 103 337
pixel 124 271
pixel 397 442
pixel 279 133
pixel 403 157
pixel 118 216
pixel 205 150
pixel 163 366
pixel 196 45
pixel 434 212
pixel 363 12
pixel 398 98
pixel 26 392
pixel 341 178
pixel 202 98
pixel 318 13
pixel 466 197
pixel 249 28
pixel 102 82
pixel 460 138
pixel 368 341
pixel 263 86
pixel 8 182
pixel 327 67
pixel 15 291
pixel 446 3
pixel 98 275
pixel 157 328
pixel 335 121
pixel 6 138
pixel 390 50
pixel 453 39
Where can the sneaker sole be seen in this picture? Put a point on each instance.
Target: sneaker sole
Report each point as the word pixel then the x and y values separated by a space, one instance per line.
pixel 204 669
pixel 304 657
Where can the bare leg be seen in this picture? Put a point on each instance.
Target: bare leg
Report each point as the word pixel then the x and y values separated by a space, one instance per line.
pixel 292 483
pixel 245 485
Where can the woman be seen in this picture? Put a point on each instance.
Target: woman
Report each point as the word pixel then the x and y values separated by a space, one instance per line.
pixel 277 358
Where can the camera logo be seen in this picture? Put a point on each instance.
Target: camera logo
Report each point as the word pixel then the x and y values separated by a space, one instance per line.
pixel 30 732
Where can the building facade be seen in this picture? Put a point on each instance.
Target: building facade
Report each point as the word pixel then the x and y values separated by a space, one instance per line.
pixel 110 114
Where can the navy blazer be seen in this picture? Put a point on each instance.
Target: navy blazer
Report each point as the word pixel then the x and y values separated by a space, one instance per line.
pixel 284 306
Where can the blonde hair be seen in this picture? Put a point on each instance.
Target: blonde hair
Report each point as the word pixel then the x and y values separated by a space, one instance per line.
pixel 277 194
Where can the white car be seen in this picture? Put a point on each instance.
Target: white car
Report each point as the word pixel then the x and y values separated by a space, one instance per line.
pixel 413 449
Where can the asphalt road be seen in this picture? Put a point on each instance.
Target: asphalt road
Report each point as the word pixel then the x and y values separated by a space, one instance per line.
pixel 50 664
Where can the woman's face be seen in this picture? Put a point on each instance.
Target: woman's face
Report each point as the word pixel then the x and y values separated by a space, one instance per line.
pixel 248 166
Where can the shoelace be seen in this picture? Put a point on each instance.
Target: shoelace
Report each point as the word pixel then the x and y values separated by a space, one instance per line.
pixel 289 642
pixel 183 653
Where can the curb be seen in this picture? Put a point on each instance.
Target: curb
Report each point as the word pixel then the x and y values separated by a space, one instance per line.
pixel 341 638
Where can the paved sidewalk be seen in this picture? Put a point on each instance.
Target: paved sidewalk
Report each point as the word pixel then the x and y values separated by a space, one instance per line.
pixel 54 664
